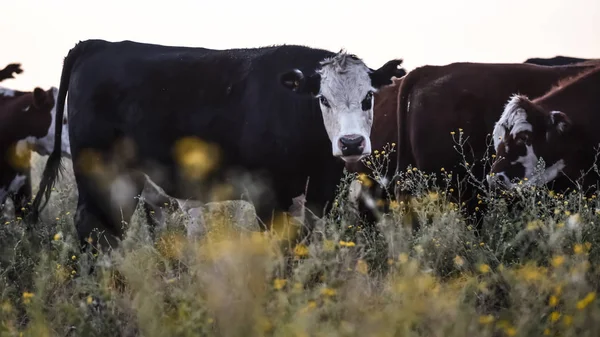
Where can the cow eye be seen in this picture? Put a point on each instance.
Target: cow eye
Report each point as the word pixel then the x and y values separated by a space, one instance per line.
pixel 324 101
pixel 523 138
pixel 366 103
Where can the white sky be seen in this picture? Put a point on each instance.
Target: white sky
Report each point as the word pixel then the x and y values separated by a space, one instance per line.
pixel 39 33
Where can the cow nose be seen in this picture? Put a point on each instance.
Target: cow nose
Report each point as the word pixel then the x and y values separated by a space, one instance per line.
pixel 352 145
pixel 498 180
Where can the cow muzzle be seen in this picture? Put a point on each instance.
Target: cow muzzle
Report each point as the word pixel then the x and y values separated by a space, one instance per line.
pixel 499 180
pixel 352 147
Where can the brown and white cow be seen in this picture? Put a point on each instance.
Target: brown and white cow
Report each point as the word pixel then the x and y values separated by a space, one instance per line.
pixel 26 124
pixel 465 99
pixel 560 127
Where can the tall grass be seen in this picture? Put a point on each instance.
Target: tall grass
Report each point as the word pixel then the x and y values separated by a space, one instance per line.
pixel 530 269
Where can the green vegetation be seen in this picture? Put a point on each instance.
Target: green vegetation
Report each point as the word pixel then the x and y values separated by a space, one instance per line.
pixel 531 269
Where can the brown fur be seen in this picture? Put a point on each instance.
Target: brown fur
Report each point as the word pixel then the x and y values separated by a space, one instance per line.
pixel 470 96
pixel 579 100
pixel 17 124
pixel 384 128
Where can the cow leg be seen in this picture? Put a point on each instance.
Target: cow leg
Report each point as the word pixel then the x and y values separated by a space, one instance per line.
pixel 22 197
pixel 104 205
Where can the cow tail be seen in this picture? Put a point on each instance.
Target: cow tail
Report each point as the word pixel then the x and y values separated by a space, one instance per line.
pixel 54 165
pixel 404 156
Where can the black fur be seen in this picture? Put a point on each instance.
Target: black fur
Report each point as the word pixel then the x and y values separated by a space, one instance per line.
pixel 153 95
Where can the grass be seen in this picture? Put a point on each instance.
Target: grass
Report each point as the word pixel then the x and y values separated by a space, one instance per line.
pixel 529 270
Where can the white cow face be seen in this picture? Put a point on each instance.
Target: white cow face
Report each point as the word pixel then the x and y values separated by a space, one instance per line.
pixel 344 86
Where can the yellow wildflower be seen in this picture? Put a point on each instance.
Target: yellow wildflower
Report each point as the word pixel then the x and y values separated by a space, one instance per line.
pixel 403 257
pixel 300 250
pixel 27 296
pixel 484 268
pixel 567 320
pixel 347 244
pixel 57 236
pixel 553 301
pixel 555 316
pixel 486 319
pixel 458 261
pixel 589 298
pixel 510 331
pixel 547 332
pixel 89 300
pixel 364 179
pixel 557 261
pixel 578 249
pixel 278 284
pixel 328 292
pixel 310 305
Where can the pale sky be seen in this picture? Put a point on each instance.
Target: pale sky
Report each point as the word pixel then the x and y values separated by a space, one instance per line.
pixel 39 33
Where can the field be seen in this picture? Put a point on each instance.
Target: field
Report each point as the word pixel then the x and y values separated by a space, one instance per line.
pixel 530 270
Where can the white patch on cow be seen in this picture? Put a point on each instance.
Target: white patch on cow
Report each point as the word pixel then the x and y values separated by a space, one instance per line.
pixel 529 161
pixel 345 83
pixel 45 145
pixel 550 173
pixel 513 118
pixel 7 92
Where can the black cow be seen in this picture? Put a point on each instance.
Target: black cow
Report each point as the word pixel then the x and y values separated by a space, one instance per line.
pixel 194 120
pixel 555 61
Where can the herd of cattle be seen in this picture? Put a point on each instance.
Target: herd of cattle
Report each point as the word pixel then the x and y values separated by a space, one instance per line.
pixel 288 118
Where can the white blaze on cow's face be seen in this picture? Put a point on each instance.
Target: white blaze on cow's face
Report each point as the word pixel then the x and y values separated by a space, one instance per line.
pixel 344 86
pixel 515 141
pixel 346 100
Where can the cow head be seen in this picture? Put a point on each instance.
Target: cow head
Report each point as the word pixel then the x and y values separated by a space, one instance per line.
pixel 344 86
pixel 40 118
pixel 523 134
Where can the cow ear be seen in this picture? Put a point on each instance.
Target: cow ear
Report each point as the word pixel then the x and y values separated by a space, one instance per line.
pixel 297 82
pixel 558 124
pixel 39 97
pixel 383 76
